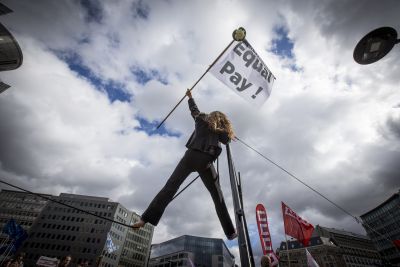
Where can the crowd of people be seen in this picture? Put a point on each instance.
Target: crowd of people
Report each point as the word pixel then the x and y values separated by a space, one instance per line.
pixel 18 261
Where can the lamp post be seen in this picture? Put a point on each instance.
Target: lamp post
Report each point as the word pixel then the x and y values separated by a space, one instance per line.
pixel 375 45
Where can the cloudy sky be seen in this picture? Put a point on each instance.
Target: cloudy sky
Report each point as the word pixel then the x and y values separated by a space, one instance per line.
pixel 98 76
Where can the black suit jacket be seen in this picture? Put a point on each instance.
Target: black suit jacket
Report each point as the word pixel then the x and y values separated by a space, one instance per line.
pixel 203 138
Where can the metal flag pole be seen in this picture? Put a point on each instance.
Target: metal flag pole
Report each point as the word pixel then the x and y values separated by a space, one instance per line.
pixel 243 241
pixel 4 241
pixel 8 250
pixel 287 244
pixel 287 249
pixel 238 35
pixel 239 182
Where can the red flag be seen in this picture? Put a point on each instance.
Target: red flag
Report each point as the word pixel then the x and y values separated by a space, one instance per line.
pixel 265 236
pixel 295 226
pixel 397 243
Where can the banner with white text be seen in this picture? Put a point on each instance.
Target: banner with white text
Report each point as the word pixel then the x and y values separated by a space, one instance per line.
pixel 242 70
pixel 265 236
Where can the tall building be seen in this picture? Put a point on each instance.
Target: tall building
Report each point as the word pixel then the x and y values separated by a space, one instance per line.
pixel 23 207
pixel 385 219
pixel 136 249
pixel 332 247
pixel 357 250
pixel 191 251
pixel 61 231
pixel 323 250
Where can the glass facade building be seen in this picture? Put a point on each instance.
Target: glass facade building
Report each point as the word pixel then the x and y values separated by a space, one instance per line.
pixel 191 251
pixel 385 219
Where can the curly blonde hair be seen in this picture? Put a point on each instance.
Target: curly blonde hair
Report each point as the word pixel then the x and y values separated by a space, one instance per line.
pixel 219 122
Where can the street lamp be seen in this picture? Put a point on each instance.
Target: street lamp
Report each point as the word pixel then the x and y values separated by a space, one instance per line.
pixel 375 45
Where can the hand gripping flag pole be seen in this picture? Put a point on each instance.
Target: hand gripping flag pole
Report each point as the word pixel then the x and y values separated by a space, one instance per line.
pixel 238 35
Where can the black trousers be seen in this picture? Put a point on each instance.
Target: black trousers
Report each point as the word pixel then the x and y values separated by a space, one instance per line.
pixel 193 160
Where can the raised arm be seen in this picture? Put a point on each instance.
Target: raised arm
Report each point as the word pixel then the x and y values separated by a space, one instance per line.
pixel 194 110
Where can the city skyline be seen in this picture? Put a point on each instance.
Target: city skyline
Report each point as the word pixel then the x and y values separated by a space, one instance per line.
pixel 98 77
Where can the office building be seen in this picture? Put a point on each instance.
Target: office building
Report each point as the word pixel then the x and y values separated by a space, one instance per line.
pixel 357 250
pixel 137 245
pixel 385 219
pixel 23 207
pixel 322 249
pixel 61 230
pixel 332 247
pixel 191 251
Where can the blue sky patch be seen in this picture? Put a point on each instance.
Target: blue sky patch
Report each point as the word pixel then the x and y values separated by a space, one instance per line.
pixel 143 77
pixel 282 45
pixel 150 128
pixel 115 90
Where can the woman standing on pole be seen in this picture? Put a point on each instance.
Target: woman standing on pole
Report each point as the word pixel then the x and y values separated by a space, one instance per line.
pixel 203 148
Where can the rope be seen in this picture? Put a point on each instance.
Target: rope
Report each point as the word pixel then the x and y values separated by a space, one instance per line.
pixel 293 176
pixel 183 189
pixel 314 190
pixel 66 205
pixel 85 211
pixel 245 144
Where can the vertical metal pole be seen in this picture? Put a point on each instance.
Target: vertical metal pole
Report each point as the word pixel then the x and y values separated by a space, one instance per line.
pixel 250 250
pixel 4 241
pixel 240 227
pixel 8 250
pixel 287 249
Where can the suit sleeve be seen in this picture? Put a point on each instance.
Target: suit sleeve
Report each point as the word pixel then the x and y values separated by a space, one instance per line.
pixel 194 110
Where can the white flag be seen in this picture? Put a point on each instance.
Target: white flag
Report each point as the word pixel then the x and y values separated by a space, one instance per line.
pixel 310 260
pixel 242 70
pixel 110 246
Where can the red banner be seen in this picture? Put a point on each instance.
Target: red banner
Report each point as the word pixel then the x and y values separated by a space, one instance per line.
pixel 295 226
pixel 265 236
